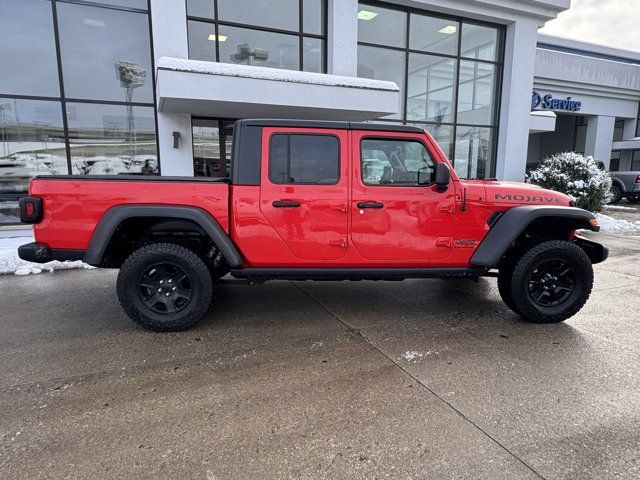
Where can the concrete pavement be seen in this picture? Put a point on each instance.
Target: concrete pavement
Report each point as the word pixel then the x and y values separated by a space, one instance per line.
pixel 414 379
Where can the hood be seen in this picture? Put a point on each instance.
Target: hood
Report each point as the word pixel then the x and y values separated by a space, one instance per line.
pixel 518 193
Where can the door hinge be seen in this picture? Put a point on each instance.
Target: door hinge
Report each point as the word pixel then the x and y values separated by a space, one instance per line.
pixel 340 207
pixel 447 208
pixel 338 242
pixel 443 242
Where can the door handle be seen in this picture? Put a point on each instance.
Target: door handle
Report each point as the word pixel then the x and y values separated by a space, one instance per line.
pixel 285 204
pixel 363 205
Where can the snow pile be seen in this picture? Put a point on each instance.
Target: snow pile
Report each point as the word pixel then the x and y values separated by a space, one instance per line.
pixel 610 224
pixel 577 176
pixel 11 263
pixel 414 355
pixel 265 73
pixel 619 208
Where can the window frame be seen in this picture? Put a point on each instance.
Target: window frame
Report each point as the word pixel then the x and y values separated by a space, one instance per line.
pixel 216 22
pixel 454 124
pixel 401 139
pixel 302 134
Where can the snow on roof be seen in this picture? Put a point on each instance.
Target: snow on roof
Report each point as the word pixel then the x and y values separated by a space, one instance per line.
pixel 276 74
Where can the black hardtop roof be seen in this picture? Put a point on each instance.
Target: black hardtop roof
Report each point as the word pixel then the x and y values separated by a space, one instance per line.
pixel 383 127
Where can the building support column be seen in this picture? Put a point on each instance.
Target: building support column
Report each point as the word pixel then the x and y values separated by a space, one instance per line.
pixel 517 85
pixel 342 40
pixel 169 20
pixel 600 138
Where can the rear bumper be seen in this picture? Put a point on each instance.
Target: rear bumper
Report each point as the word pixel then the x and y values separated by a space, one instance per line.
pixel 40 253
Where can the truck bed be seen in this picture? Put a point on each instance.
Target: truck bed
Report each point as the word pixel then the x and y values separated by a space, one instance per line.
pixel 74 205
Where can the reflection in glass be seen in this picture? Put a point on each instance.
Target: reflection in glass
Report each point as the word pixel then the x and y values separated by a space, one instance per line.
pixel 382 26
pixel 255 47
pixel 28 63
pixel 212 148
pixel 383 64
pixel 313 16
pixel 112 139
pixel 201 8
pixel 32 138
pixel 476 102
pixel 479 42
pixel 140 4
pixel 281 14
pixel 202 41
pixel 313 55
pixel 474 147
pixel 442 134
pixel 92 41
pixel 431 92
pixel 434 35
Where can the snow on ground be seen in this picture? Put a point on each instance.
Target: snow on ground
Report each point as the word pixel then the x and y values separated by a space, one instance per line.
pixel 413 355
pixel 10 263
pixel 610 224
pixel 619 208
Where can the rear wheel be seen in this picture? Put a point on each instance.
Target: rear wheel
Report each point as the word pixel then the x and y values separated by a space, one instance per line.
pixel 551 282
pixel 635 198
pixel 165 287
pixel 616 193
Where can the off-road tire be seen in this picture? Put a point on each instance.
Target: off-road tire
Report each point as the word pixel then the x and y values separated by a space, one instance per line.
pixel 530 265
pixel 504 284
pixel 617 194
pixel 131 276
pixel 634 198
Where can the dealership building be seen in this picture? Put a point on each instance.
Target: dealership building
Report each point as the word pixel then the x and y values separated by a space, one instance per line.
pixel 153 87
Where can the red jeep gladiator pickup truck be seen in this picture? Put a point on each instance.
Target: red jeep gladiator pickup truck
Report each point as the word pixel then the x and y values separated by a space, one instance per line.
pixel 310 200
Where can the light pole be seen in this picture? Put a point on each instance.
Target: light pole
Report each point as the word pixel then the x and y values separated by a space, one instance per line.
pixel 245 54
pixel 131 76
pixel 3 108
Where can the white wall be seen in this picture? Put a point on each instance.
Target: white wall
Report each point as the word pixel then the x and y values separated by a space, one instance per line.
pixel 169 19
pixel 515 110
pixel 342 41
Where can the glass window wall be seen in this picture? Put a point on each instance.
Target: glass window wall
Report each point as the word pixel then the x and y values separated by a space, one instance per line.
pixel 100 119
pixel 286 34
pixel 449 71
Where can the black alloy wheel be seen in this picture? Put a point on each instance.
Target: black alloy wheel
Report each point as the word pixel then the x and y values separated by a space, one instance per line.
pixel 551 282
pixel 165 288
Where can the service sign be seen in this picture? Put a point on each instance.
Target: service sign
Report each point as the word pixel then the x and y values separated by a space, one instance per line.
pixel 547 102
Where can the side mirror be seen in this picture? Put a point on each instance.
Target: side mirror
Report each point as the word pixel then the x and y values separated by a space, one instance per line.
pixel 443 175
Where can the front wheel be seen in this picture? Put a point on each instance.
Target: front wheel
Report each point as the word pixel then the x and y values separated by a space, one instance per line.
pixel 165 287
pixel 551 282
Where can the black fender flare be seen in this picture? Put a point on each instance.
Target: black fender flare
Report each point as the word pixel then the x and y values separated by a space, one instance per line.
pixel 115 215
pixel 513 222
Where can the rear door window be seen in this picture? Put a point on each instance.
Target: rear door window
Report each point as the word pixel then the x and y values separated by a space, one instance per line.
pixel 304 159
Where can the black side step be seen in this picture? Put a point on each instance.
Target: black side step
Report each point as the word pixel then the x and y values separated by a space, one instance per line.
pixel 260 275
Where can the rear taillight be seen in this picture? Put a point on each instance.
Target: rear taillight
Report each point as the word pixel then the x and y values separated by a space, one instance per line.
pixel 30 209
pixel 637 178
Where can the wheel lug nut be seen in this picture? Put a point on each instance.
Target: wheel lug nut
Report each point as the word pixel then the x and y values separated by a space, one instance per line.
pixel 161 282
pixel 174 289
pixel 170 281
pixel 159 289
pixel 167 294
